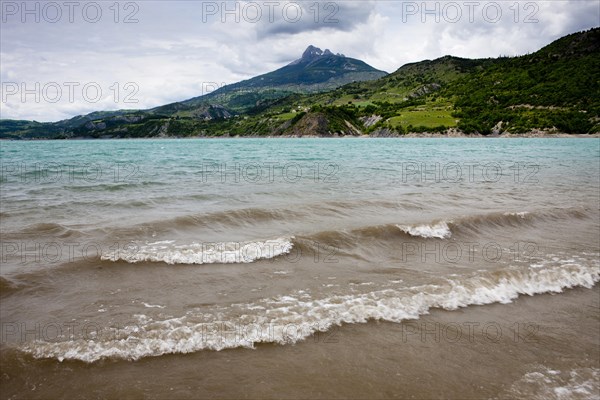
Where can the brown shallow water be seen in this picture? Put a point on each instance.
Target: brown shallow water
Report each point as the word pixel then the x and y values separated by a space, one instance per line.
pixel 536 347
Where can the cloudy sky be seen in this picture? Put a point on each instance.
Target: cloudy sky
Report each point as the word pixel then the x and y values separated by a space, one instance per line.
pixel 61 59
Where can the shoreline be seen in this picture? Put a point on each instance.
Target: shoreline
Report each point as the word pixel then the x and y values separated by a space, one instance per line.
pixel 424 135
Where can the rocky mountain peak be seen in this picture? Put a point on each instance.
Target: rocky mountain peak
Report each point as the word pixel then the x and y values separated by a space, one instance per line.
pixel 312 53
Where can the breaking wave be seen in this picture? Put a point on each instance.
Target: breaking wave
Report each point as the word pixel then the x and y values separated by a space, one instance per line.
pixel 292 318
pixel 169 252
pixel 438 230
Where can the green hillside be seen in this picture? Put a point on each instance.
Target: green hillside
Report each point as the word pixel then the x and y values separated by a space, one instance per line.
pixel 556 87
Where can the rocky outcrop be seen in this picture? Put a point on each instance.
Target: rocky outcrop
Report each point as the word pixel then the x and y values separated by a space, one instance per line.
pixel 95 125
pixel 383 132
pixel 311 124
pixel 425 90
pixel 370 121
pixel 212 111
pixel 319 124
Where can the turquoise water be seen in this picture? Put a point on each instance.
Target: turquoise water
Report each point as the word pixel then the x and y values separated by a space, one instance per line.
pixel 103 179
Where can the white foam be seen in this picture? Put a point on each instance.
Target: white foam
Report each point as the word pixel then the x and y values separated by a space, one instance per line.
pixel 521 214
pixel 439 230
pixel 290 318
pixel 152 305
pixel 203 253
pixel 580 383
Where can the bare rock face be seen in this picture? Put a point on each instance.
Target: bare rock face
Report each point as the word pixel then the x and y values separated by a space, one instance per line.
pixel 312 124
pixel 425 90
pixel 91 125
pixel 370 121
pixel 319 124
pixel 497 129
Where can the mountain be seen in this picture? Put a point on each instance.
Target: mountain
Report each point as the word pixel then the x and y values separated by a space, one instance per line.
pixel 555 89
pixel 315 71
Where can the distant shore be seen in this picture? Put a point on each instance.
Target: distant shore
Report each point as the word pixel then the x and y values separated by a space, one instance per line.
pixel 428 135
pixel 508 135
pixel 529 135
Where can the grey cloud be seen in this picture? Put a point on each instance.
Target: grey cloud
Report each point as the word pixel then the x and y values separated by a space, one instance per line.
pixel 301 17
